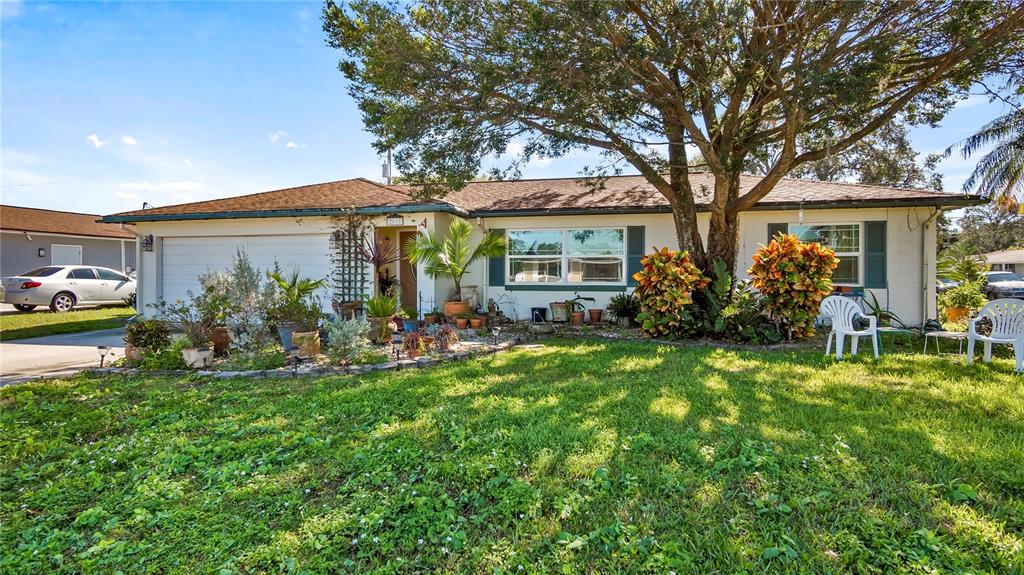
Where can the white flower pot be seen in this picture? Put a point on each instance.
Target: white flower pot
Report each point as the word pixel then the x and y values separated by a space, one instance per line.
pixel 196 356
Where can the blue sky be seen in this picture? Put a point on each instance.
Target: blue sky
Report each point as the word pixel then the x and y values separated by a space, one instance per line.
pixel 106 105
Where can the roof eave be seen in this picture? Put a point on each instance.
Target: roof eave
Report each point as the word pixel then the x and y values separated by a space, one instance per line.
pixel 290 213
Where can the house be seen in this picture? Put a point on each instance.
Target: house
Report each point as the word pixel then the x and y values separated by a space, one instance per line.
pixel 1006 260
pixel 564 237
pixel 31 237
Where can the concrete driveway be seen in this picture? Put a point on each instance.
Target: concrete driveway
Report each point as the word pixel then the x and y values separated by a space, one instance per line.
pixel 52 355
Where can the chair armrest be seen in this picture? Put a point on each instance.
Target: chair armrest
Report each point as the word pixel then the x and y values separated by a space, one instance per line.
pixel 872 322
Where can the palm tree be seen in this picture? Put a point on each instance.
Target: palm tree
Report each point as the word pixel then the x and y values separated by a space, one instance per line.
pixel 1000 173
pixel 450 256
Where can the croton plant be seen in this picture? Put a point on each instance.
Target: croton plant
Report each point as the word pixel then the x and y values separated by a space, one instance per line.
pixel 665 287
pixel 793 277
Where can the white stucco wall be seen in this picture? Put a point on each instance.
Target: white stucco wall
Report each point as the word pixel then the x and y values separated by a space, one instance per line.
pixel 905 230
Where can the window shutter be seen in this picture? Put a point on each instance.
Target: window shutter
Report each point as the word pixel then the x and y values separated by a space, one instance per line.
pixel 496 266
pixel 776 229
pixel 874 255
pixel 634 252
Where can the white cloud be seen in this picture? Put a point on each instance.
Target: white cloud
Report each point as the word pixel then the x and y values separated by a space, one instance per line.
pixel 96 141
pixel 273 137
pixel 127 195
pixel 514 149
pixel 129 140
pixel 291 145
pixel 971 101
pixel 188 163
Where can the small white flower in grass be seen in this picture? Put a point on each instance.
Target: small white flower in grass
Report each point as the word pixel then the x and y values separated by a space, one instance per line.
pixel 376 539
pixel 448 539
pixel 355 542
pixel 307 490
pixel 444 550
pixel 419 542
pixel 522 515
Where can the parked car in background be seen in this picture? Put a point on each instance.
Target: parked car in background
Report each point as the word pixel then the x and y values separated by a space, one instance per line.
pixel 64 287
pixel 1004 284
pixel 943 284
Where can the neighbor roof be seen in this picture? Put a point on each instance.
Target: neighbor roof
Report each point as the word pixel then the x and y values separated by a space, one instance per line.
pixel 532 197
pixel 1005 257
pixel 16 218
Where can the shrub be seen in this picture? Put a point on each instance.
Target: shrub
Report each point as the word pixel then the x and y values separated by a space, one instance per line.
pixel 793 277
pixel 148 334
pixel 194 323
pixel 382 305
pixel 370 357
pixel 250 296
pixel 168 358
pixel 665 288
pixel 346 338
pixel 968 294
pixel 624 305
pixel 727 311
pixel 131 300
pixel 445 338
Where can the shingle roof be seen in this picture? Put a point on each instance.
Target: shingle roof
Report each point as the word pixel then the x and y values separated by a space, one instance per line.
pixel 1005 257
pixel 356 193
pixel 620 193
pixel 635 192
pixel 50 221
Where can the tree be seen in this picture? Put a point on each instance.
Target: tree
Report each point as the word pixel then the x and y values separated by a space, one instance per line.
pixel 448 84
pixel 884 158
pixel 450 256
pixel 992 227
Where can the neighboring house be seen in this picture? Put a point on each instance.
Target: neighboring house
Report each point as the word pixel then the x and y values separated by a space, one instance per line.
pixel 1006 260
pixel 30 238
pixel 563 237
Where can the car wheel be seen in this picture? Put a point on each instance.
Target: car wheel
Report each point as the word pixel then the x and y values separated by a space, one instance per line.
pixel 24 307
pixel 62 302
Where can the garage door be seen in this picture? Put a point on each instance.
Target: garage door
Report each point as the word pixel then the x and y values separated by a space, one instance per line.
pixel 184 259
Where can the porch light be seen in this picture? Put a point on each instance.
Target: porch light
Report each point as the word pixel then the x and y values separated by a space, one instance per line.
pixel 146 243
pixel 42 252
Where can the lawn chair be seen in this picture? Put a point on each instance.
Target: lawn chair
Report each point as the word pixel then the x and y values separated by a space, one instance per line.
pixel 1007 317
pixel 844 312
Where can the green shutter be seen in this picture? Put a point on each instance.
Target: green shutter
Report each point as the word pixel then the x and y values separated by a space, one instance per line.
pixel 776 229
pixel 496 266
pixel 874 255
pixel 634 252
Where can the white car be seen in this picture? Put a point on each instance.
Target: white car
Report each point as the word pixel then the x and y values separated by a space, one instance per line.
pixel 64 287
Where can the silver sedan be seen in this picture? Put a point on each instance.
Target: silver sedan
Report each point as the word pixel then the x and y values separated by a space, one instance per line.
pixel 63 287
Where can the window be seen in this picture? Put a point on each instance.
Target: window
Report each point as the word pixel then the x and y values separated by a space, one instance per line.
pixel 82 274
pixel 844 239
pixel 573 256
pixel 106 274
pixel 41 272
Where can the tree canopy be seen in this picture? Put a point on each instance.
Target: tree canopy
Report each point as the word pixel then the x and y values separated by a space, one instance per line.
pixel 449 84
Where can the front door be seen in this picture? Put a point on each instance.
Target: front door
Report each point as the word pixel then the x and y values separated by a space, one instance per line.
pixel 407 273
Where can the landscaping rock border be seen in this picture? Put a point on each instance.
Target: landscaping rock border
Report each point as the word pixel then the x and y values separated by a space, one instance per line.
pixel 301 370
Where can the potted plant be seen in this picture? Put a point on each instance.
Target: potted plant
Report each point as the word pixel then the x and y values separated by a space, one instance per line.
pixel 148 335
pixel 624 307
pixel 476 321
pixel 576 309
pixel 413 344
pixel 886 317
pixel 445 338
pixel 380 253
pixel 306 322
pixel 380 312
pixel 410 321
pixel 449 257
pixel 293 304
pixel 195 325
pixel 462 320
pixel 432 317
pixel 595 314
pixel 960 300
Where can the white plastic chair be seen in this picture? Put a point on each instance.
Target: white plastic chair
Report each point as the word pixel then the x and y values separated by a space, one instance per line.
pixel 1007 317
pixel 844 312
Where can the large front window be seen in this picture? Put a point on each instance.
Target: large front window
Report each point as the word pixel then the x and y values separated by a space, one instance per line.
pixel 844 239
pixel 568 256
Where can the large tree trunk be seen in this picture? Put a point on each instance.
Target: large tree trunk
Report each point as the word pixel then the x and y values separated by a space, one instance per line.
pixel 723 229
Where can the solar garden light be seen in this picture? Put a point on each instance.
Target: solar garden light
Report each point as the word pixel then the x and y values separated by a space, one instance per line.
pixel 103 350
pixel 497 331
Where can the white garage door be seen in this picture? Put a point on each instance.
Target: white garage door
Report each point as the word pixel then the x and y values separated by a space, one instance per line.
pixel 184 259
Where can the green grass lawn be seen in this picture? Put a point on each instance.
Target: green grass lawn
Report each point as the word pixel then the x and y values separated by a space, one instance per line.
pixel 587 457
pixel 39 323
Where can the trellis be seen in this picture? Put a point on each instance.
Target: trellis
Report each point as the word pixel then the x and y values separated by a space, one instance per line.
pixel 348 269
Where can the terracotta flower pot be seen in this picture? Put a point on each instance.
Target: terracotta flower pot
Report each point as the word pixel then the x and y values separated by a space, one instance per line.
pixel 595 315
pixel 626 321
pixel 430 318
pixel 461 322
pixel 381 329
pixel 221 339
pixel 455 308
pixel 576 318
pixel 957 314
pixel 475 322
pixel 133 353
pixel 483 320
pixel 308 343
pixel 559 311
